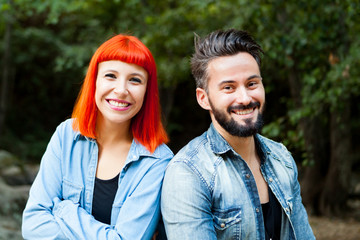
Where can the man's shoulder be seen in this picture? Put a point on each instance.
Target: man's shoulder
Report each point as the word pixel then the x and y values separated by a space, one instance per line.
pixel 276 150
pixel 197 155
pixel 269 142
pixel 193 148
pixel 195 160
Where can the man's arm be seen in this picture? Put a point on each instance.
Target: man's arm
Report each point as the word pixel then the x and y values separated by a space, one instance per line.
pixel 186 203
pixel 299 217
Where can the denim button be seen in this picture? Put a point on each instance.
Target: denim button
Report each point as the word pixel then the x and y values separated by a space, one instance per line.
pixel 222 225
pixel 270 179
pixel 247 176
pixel 257 210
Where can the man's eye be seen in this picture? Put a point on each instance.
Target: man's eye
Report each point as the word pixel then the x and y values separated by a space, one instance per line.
pixel 228 87
pixel 110 75
pixel 252 84
pixel 136 80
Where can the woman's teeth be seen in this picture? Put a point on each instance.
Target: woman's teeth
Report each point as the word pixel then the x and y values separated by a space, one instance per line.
pixel 118 104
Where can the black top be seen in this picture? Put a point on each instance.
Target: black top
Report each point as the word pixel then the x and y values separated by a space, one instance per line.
pixel 272 217
pixel 104 195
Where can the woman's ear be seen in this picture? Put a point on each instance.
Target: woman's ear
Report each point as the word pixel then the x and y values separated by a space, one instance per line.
pixel 202 98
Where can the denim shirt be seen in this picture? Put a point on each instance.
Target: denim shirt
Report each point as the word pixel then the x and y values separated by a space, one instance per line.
pixel 60 199
pixel 209 192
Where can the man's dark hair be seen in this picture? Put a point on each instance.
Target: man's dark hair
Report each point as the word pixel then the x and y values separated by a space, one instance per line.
pixel 219 44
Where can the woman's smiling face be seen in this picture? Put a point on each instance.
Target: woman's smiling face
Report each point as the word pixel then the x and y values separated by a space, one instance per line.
pixel 120 90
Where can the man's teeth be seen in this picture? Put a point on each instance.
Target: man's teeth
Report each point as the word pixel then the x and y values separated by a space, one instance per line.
pixel 118 104
pixel 244 112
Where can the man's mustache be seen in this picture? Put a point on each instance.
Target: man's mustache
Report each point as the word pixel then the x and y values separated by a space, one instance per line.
pixel 243 107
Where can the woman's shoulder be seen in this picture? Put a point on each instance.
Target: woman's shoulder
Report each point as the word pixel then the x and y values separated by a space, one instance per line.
pixel 65 133
pixel 164 151
pixel 66 127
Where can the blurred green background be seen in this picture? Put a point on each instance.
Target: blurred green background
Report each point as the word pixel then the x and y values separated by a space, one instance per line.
pixel 311 72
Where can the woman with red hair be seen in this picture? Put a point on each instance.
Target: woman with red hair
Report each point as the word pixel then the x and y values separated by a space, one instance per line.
pixel 101 174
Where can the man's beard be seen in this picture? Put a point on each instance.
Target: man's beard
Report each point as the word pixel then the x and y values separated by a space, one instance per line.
pixel 234 128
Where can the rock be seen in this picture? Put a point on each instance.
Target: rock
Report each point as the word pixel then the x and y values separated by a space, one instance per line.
pixel 14 172
pixel 7 159
pixel 10 228
pixel 15 175
pixel 12 198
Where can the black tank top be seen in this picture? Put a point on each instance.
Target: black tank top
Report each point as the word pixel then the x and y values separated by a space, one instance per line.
pixel 104 195
pixel 272 217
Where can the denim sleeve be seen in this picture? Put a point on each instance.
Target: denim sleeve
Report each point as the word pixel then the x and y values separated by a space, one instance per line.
pixel 38 221
pixel 138 217
pixel 186 204
pixel 299 217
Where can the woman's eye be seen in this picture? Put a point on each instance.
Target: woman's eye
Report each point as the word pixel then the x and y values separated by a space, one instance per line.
pixel 136 80
pixel 110 75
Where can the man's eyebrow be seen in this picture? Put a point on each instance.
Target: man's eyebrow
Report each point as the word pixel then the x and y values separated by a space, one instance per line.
pixel 233 81
pixel 226 81
pixel 254 76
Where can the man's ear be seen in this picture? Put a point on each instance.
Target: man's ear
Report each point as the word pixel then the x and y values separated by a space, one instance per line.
pixel 202 98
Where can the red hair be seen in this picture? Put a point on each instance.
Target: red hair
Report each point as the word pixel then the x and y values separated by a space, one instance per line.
pixel 146 125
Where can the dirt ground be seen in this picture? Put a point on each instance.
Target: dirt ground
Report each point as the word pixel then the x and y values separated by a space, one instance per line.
pixel 335 229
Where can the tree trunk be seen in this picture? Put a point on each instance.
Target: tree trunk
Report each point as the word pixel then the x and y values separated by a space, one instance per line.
pixel 316 145
pixel 337 183
pixel 313 179
pixel 166 101
pixel 5 76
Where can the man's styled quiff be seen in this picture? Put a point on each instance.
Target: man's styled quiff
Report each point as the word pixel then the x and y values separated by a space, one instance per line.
pixel 219 44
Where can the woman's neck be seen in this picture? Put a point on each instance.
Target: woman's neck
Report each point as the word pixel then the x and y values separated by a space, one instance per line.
pixel 111 133
pixel 114 142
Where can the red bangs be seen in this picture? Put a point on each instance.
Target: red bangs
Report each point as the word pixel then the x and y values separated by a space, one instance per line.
pixel 127 49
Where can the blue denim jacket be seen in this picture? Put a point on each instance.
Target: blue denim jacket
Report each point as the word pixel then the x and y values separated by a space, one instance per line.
pixel 60 200
pixel 209 192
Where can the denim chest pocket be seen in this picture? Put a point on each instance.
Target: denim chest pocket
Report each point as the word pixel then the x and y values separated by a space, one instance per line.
pixel 71 191
pixel 227 222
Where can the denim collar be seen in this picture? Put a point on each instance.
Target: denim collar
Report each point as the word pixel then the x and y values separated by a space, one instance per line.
pixel 220 146
pixel 140 150
pixel 217 143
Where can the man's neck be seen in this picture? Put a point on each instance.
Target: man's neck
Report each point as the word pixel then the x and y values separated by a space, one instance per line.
pixel 244 146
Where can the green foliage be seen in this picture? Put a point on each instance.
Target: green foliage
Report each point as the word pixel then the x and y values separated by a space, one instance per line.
pixel 52 42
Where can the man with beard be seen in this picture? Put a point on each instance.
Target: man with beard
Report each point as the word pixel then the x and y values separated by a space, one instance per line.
pixel 231 182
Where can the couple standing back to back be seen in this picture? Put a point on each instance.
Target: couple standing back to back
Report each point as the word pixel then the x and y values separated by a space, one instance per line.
pixel 101 175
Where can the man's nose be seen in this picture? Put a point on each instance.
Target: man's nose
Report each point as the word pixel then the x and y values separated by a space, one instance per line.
pixel 242 96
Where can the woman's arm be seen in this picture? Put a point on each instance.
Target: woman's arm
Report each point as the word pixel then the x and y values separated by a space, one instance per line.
pixel 38 221
pixel 138 217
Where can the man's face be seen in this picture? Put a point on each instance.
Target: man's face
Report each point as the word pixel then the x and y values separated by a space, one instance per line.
pixel 235 95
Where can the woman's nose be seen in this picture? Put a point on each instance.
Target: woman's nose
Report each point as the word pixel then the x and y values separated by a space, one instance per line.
pixel 121 88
